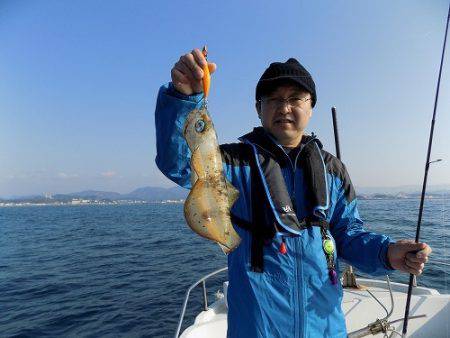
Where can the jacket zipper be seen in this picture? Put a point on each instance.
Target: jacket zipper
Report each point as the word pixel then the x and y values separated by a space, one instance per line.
pixel 297 333
pixel 293 165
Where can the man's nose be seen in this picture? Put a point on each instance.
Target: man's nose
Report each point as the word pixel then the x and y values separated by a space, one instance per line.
pixel 284 107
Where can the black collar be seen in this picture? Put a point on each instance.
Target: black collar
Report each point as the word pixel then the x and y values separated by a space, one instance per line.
pixel 261 138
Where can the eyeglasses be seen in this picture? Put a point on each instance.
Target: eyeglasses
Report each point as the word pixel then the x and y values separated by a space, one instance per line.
pixel 293 102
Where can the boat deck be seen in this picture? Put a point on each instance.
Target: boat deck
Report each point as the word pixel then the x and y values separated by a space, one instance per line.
pixel 360 309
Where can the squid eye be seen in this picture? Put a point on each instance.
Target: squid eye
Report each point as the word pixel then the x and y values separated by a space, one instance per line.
pixel 200 126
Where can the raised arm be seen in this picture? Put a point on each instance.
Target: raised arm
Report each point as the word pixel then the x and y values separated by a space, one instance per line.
pixel 172 152
pixel 175 101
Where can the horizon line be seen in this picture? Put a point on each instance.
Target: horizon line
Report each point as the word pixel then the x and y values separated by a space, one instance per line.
pixel 409 186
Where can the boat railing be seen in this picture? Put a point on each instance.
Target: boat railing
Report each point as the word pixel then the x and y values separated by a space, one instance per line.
pixel 205 297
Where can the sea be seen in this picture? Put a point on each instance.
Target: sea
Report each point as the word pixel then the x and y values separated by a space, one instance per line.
pixel 123 270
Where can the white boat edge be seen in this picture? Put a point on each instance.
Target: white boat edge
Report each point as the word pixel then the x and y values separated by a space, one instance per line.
pixel 360 310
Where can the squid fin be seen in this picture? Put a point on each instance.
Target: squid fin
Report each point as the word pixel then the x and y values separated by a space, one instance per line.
pixel 233 194
pixel 225 250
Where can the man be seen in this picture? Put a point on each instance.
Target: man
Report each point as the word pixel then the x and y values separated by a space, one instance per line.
pixel 296 212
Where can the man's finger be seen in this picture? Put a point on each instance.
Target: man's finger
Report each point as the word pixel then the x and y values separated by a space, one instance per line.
pixel 189 61
pixel 411 270
pixel 414 246
pixel 179 77
pixel 212 67
pixel 199 57
pixel 424 252
pixel 413 258
pixel 185 70
pixel 414 271
pixel 414 265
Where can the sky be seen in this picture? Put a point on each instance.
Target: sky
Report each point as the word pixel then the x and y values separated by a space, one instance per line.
pixel 79 81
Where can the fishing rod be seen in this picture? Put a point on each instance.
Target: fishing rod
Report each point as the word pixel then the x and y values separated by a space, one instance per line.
pixel 424 186
pixel 336 133
pixel 348 276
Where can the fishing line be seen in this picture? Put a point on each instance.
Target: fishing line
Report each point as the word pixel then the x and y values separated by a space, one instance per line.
pixel 424 186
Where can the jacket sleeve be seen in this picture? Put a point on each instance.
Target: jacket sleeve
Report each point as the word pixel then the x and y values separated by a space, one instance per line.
pixel 366 251
pixel 173 154
pixel 172 151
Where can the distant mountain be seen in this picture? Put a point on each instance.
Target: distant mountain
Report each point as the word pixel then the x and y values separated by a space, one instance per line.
pixel 402 195
pixel 144 194
pixel 28 197
pixel 147 194
pixel 94 194
pixel 157 194
pixel 409 189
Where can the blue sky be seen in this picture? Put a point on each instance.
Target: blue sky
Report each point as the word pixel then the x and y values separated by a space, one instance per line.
pixel 79 81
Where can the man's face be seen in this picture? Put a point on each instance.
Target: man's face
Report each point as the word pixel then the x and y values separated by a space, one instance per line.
pixel 285 121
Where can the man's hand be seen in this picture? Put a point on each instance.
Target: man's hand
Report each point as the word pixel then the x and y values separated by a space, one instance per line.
pixel 408 256
pixel 187 73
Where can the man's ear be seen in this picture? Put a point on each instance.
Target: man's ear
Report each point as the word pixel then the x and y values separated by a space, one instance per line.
pixel 258 108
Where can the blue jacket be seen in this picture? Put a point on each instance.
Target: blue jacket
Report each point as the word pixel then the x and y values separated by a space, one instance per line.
pixel 293 296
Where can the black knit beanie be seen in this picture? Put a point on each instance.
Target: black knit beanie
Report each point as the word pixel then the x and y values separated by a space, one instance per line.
pixel 282 72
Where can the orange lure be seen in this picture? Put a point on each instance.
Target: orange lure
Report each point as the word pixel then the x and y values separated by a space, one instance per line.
pixel 206 74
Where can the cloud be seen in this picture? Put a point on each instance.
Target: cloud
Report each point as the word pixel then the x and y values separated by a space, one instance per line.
pixel 67 176
pixel 36 174
pixel 108 174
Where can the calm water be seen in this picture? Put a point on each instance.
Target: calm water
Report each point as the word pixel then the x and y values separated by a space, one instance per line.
pixel 121 271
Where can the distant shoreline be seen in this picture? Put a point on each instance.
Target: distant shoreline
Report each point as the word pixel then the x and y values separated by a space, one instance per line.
pixel 433 197
pixel 177 195
pixel 85 203
pixel 179 201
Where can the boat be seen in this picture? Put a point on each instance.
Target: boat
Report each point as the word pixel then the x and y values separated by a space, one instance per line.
pixel 376 309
